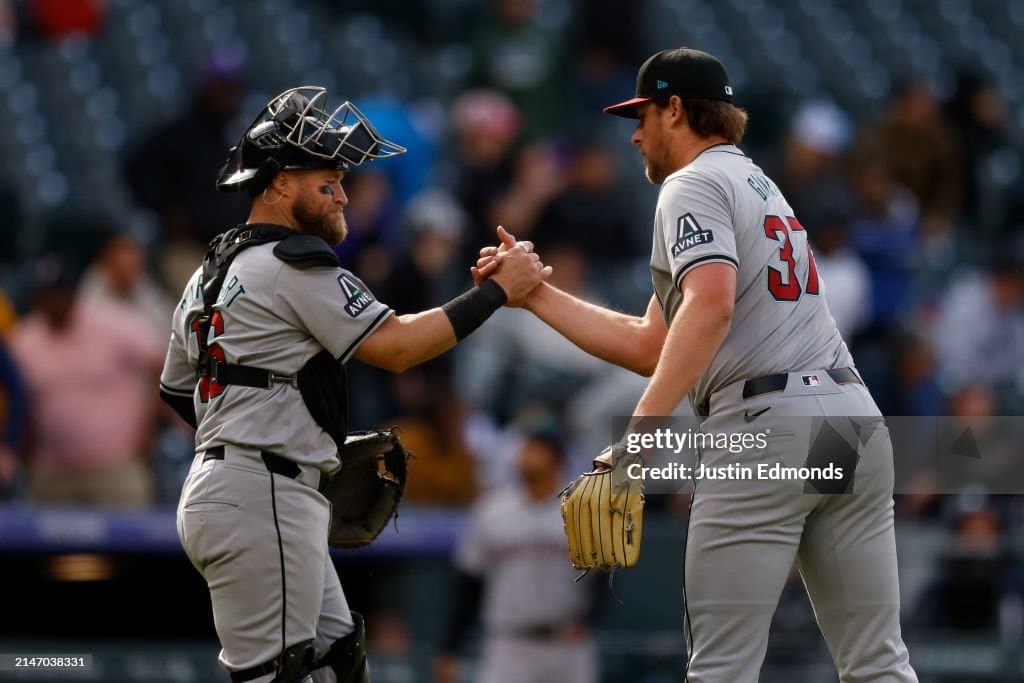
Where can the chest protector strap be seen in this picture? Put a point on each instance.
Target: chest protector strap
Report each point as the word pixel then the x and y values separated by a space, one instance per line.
pixel 223 250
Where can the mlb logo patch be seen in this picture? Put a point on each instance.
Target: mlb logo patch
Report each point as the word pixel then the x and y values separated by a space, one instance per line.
pixel 811 380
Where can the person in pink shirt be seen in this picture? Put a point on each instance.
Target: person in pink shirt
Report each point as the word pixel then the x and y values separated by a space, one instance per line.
pixel 88 366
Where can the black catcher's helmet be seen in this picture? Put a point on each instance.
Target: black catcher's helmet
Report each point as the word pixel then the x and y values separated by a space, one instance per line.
pixel 296 130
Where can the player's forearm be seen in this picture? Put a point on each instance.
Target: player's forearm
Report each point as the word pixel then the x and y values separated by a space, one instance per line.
pixel 407 340
pixel 697 331
pixel 403 341
pixel 420 337
pixel 625 340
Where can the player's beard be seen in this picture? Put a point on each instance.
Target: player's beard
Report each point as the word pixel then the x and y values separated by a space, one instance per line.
pixel 655 166
pixel 656 156
pixel 329 226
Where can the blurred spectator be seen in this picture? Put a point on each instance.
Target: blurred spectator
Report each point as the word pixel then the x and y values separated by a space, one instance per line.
pixel 920 152
pixel 57 19
pixel 515 359
pixel 985 450
pixel 541 175
pixel 429 275
pixel 8 315
pixel 442 471
pixel 485 125
pixel 511 569
pixel 119 276
pixel 916 371
pixel 591 212
pixel 979 114
pixel 884 231
pixel 387 633
pixel 810 176
pixel 90 368
pixel 973 578
pixel 847 280
pixel 8 23
pixel 608 48
pixel 165 171
pixel 980 334
pixel 407 173
pixel 372 216
pixel 515 52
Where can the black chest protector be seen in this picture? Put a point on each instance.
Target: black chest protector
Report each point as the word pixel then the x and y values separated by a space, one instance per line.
pixel 321 381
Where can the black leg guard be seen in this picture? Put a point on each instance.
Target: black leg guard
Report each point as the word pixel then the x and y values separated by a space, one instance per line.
pixel 292 666
pixel 347 656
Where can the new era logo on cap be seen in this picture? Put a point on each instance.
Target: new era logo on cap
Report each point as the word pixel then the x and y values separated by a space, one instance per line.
pixel 728 90
pixel 662 85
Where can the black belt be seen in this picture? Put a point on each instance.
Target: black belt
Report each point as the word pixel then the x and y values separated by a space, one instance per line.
pixel 274 462
pixel 770 383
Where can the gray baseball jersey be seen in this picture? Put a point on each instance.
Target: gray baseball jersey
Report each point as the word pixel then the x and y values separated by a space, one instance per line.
pixel 722 208
pixel 744 536
pixel 273 316
pixel 517 546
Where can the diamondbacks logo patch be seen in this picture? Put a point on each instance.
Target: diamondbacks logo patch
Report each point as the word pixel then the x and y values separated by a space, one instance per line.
pixel 356 295
pixel 689 234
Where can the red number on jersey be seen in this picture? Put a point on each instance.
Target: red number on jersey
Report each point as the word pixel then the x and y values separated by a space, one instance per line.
pixel 207 387
pixel 776 229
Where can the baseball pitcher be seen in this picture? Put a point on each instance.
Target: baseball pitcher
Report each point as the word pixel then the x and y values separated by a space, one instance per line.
pixel 738 322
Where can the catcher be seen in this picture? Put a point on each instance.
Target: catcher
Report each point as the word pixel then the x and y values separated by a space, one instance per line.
pixel 256 364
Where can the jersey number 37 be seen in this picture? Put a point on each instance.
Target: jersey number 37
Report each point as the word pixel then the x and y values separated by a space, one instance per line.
pixel 783 282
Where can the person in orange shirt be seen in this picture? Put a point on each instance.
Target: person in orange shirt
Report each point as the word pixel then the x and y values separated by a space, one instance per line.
pixel 443 469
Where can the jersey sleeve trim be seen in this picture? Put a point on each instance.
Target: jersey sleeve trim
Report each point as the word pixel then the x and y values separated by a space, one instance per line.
pixel 176 392
pixel 370 329
pixel 710 258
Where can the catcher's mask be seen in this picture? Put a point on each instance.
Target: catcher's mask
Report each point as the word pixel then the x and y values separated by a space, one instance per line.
pixel 297 130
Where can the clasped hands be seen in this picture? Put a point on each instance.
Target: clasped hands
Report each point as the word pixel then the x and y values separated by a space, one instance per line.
pixel 513 265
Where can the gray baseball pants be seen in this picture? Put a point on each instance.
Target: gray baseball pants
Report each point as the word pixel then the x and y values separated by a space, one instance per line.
pixel 744 537
pixel 260 542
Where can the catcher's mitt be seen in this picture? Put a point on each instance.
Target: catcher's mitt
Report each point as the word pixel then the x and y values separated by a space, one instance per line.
pixel 603 513
pixel 365 492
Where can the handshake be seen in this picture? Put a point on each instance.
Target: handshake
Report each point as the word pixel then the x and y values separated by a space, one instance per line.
pixel 513 266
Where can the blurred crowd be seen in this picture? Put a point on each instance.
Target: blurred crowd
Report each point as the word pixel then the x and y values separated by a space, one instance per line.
pixel 913 212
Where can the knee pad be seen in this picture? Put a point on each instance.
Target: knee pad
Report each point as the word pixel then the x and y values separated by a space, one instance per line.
pixel 347 656
pixel 296 662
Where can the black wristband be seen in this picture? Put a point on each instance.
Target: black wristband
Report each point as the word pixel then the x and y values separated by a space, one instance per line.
pixel 469 310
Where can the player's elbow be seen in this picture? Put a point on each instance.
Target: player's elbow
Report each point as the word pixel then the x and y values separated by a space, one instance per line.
pixel 647 362
pixel 647 352
pixel 396 359
pixel 721 310
pixel 398 364
pixel 406 353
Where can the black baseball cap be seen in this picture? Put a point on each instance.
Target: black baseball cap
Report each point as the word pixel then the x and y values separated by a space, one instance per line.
pixel 688 73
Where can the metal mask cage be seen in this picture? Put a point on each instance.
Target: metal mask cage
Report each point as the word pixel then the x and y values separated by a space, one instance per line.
pixel 343 133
